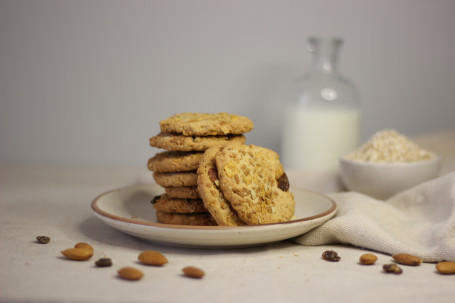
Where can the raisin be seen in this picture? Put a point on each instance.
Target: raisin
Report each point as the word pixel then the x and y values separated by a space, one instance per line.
pixel 103 262
pixel 213 174
pixel 392 268
pixel 283 182
pixel 43 239
pixel 330 255
pixel 155 199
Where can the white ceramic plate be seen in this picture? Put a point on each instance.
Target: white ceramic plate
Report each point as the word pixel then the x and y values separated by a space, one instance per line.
pixel 129 210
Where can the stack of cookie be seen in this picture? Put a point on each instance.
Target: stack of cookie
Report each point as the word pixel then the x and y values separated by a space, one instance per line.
pixel 185 137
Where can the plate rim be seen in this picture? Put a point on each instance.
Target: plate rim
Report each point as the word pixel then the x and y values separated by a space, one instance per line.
pixel 99 211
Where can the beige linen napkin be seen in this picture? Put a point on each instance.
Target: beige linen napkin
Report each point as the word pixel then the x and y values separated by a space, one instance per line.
pixel 418 221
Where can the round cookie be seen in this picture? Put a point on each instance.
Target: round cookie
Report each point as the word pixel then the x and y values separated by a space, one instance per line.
pixel 205 124
pixel 185 219
pixel 183 192
pixel 174 161
pixel 253 181
pixel 209 190
pixel 178 142
pixel 175 205
pixel 176 179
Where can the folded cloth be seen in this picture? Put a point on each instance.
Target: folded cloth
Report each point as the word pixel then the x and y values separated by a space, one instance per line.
pixel 419 221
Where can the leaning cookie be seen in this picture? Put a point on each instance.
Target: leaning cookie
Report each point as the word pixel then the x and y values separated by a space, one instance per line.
pixel 176 179
pixel 178 142
pixel 205 124
pixel 185 219
pixel 174 161
pixel 253 181
pixel 209 190
pixel 176 205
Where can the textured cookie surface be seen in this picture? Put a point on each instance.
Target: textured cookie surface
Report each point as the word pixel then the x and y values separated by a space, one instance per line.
pixel 183 192
pixel 173 161
pixel 205 124
pixel 176 205
pixel 176 179
pixel 209 190
pixel 177 142
pixel 185 219
pixel 253 181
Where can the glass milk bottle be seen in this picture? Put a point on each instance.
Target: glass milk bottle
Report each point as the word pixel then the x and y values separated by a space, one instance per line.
pixel 322 118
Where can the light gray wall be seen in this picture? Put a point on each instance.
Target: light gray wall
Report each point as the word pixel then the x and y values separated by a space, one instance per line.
pixel 88 81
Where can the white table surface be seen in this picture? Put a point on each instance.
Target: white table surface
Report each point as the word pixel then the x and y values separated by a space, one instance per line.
pixel 55 201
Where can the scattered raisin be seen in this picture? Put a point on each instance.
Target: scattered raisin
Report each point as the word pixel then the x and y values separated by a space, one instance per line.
pixel 103 262
pixel 155 199
pixel 392 268
pixel 43 239
pixel 330 255
pixel 283 182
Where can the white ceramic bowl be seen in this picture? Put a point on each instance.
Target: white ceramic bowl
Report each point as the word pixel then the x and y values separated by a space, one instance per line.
pixel 383 180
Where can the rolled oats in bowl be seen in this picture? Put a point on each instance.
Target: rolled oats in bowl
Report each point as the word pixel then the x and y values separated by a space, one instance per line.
pixel 387 164
pixel 388 146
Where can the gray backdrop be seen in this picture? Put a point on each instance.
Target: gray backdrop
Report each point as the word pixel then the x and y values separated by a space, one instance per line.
pixel 87 82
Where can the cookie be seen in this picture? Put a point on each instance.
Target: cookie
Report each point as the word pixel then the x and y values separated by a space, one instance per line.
pixel 252 179
pixel 183 192
pixel 173 161
pixel 204 124
pixel 176 205
pixel 209 190
pixel 185 219
pixel 178 142
pixel 176 179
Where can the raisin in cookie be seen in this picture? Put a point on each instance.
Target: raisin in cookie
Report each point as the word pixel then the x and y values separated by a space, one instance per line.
pixel 253 181
pixel 205 124
pixel 173 161
pixel 209 190
pixel 178 142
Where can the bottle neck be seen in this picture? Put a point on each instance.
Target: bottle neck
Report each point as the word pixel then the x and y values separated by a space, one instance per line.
pixel 324 54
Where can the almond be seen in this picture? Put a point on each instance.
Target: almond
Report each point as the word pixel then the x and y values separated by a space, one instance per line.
pixel 407 259
pixel 130 273
pixel 81 252
pixel 193 272
pixel 83 245
pixel 151 257
pixel 77 254
pixel 446 267
pixel 367 259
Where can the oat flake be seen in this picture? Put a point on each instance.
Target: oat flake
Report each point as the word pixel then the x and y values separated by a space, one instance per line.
pixel 388 146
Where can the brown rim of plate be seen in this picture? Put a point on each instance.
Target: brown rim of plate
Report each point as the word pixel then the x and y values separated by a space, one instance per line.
pixel 103 213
